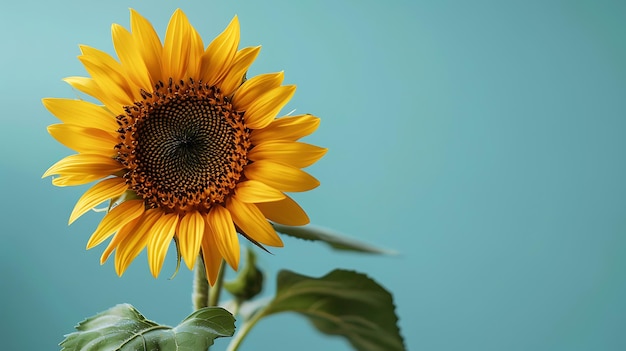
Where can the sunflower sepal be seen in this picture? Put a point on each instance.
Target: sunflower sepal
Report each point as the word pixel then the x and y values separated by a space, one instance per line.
pixel 126 196
pixel 124 328
pixel 330 237
pixel 179 256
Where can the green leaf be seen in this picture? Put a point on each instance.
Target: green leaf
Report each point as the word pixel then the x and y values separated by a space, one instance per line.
pixel 123 328
pixel 335 240
pixel 344 303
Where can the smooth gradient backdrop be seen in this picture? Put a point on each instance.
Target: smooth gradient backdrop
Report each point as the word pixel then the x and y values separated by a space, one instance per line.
pixel 483 140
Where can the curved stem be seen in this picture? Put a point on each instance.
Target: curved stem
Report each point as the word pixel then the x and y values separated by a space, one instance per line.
pixel 243 331
pixel 215 290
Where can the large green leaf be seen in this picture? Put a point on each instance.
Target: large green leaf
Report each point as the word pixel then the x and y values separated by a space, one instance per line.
pixel 344 303
pixel 335 240
pixel 123 328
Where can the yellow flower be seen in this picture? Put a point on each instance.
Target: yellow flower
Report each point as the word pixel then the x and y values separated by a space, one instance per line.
pixel 183 145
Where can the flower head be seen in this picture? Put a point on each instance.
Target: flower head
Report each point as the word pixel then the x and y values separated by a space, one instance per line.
pixel 184 146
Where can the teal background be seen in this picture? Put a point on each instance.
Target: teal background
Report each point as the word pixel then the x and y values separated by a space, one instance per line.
pixel 483 140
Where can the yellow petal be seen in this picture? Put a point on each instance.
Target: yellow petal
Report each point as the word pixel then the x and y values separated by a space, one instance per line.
pixel 107 85
pixel 263 111
pixel 251 191
pixel 160 240
pixel 254 87
pixel 107 63
pixel 82 113
pixel 108 75
pixel 122 233
pixel 115 219
pixel 196 50
pixel 86 165
pixel 89 87
pixel 84 140
pixel 134 242
pixel 280 176
pixel 102 191
pixel 289 128
pixel 288 152
pixel 210 254
pixel 285 211
pixel 130 56
pixel 84 84
pixel 222 227
pixel 242 62
pixel 252 222
pixel 148 42
pixel 190 232
pixel 176 47
pixel 220 54
pixel 73 180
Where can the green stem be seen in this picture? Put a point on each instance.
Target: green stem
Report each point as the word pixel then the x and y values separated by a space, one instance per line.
pixel 200 294
pixel 244 330
pixel 215 290
pixel 237 303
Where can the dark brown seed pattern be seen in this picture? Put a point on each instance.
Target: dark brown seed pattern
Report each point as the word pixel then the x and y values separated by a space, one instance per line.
pixel 183 147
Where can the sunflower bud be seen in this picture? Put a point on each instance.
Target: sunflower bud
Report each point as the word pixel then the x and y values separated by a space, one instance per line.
pixel 249 281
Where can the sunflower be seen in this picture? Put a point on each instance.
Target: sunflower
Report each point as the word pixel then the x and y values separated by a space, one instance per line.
pixel 183 146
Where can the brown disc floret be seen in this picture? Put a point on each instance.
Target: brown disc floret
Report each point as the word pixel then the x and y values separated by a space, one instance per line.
pixel 183 147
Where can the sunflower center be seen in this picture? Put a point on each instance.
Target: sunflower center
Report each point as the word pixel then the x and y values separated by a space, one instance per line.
pixel 183 147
